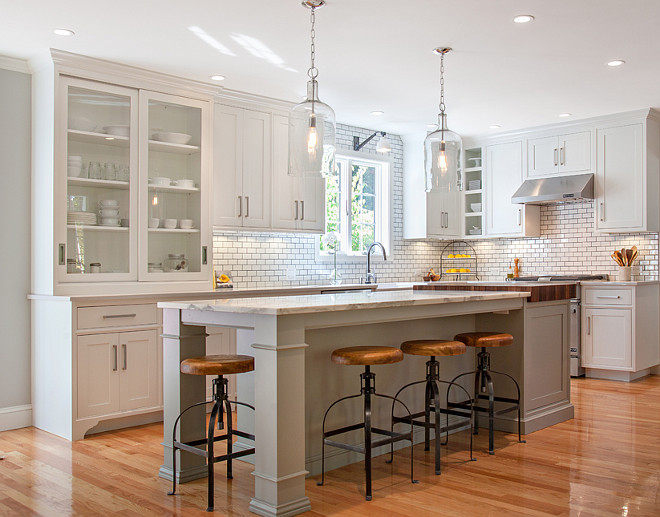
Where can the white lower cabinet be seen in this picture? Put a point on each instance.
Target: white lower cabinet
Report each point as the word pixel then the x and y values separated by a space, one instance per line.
pixel 620 330
pixel 504 174
pixel 298 203
pixel 117 372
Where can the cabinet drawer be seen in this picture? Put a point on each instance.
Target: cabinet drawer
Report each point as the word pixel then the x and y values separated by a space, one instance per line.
pixel 608 297
pixel 117 316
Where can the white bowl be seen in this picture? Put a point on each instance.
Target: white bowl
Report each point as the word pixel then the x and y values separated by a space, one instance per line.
pixel 160 181
pixel 185 183
pixel 110 221
pixel 476 207
pixel 74 171
pixel 117 130
pixel 74 159
pixel 81 124
pixel 186 224
pixel 172 138
pixel 109 212
pixel 170 224
pixel 154 222
pixel 108 203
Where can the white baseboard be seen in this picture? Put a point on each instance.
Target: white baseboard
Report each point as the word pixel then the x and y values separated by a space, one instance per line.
pixel 15 417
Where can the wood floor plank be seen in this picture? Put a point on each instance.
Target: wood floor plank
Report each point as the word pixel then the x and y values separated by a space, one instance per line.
pixel 603 463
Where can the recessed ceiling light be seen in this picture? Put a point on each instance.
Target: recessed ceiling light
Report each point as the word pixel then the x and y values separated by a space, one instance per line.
pixel 218 77
pixel 494 126
pixel 523 18
pixel 63 32
pixel 616 62
pixel 565 114
pixel 377 113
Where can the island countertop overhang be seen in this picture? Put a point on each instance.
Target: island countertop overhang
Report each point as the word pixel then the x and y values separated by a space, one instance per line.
pixel 285 305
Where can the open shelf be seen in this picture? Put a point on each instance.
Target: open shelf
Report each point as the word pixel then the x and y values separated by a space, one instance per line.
pixel 173 230
pixel 173 188
pixel 97 228
pixel 87 182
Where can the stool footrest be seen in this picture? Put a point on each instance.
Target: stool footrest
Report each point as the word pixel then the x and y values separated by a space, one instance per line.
pixel 346 429
pixel 431 425
pixel 475 407
pixel 233 455
pixel 392 438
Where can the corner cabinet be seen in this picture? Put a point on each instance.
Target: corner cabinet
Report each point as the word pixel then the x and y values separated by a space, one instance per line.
pixel 627 175
pixel 504 174
pixel 298 203
pixel 242 168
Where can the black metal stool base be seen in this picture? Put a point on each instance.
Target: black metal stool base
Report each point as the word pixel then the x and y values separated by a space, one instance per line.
pixel 432 405
pixel 221 405
pixel 483 390
pixel 367 390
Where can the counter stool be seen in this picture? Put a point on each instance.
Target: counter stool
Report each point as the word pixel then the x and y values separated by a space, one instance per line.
pixel 483 383
pixel 366 356
pixel 219 365
pixel 432 348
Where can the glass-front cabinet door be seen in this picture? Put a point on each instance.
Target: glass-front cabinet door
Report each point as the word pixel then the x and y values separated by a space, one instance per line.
pixel 96 206
pixel 173 162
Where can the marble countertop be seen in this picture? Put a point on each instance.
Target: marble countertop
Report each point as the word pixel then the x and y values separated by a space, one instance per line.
pixel 281 305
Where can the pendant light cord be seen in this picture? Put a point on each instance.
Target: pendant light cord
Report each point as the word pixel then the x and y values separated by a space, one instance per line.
pixel 442 83
pixel 313 72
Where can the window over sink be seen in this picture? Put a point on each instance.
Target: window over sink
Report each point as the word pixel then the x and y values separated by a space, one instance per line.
pixel 357 199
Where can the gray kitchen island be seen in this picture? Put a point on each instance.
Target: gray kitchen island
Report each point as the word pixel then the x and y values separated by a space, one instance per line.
pixel 294 380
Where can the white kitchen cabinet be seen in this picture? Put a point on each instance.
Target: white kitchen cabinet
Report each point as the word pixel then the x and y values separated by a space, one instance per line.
pixel 242 168
pixel 117 372
pixel 563 154
pixel 504 174
pixel 628 166
pixel 443 215
pixel 298 203
pixel 620 330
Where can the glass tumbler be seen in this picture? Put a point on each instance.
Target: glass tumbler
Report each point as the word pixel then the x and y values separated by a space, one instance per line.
pixel 94 171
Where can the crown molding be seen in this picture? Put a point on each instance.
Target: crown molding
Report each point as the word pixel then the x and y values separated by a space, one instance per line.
pixel 14 64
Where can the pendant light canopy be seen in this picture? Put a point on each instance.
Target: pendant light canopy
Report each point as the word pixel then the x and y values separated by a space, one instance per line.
pixel 312 122
pixel 442 147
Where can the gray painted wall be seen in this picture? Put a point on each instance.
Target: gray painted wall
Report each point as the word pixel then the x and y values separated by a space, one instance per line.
pixel 15 115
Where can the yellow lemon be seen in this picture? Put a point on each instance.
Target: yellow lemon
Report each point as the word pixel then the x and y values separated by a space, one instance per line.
pixel 451 255
pixel 224 279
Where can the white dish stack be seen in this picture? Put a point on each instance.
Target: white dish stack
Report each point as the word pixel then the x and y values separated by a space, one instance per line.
pixel 74 166
pixel 109 212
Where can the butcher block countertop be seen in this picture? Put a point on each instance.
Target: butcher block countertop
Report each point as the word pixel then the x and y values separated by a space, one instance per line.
pixel 540 291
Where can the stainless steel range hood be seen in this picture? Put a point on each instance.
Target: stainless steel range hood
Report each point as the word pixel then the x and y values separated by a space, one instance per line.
pixel 559 188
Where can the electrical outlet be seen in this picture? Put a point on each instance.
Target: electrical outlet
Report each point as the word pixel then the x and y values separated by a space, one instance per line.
pixel 291 273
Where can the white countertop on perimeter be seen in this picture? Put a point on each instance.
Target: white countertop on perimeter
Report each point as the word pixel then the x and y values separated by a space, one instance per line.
pixel 281 305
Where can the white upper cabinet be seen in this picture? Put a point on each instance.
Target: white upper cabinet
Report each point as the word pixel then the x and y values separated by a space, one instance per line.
pixel 627 194
pixel 443 214
pixel 242 168
pixel 298 203
pixel 504 174
pixel 563 154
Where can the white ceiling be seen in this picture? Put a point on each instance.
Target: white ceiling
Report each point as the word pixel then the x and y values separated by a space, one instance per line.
pixel 376 54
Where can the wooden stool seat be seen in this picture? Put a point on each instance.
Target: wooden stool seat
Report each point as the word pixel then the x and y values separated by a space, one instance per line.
pixel 484 339
pixel 217 364
pixel 367 355
pixel 433 347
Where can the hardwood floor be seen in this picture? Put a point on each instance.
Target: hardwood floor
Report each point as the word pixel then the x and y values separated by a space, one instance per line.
pixel 605 462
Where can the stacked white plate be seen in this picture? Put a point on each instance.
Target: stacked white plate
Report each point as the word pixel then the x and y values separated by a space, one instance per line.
pixel 85 218
pixel 109 213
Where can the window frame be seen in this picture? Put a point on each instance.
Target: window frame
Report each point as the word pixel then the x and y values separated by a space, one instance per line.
pixel 383 204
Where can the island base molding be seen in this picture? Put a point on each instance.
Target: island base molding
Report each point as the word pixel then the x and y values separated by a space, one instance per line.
pixel 287 509
pixel 616 375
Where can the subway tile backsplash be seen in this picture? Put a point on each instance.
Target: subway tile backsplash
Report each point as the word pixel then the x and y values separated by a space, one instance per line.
pixel 567 245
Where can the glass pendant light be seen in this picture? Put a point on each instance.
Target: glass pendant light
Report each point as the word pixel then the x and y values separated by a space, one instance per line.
pixel 312 122
pixel 442 147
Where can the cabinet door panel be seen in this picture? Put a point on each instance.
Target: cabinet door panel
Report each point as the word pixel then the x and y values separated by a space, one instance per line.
pixel 138 366
pixel 607 337
pixel 284 186
pixel 312 209
pixel 542 156
pixel 620 178
pixel 503 177
pixel 227 166
pixel 257 169
pixel 98 374
pixel 575 152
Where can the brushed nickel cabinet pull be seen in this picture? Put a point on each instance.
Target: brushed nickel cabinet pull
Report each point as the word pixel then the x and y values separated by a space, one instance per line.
pixel 240 206
pixel 588 325
pixel 247 206
pixel 114 348
pixel 296 217
pixel 555 157
pixel 125 352
pixel 609 297
pixel 111 316
pixel 302 210
pixel 562 156
pixel 602 212
pixel 205 257
pixel 520 217
pixel 62 254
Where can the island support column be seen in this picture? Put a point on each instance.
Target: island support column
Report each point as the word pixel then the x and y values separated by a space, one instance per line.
pixel 180 391
pixel 279 469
